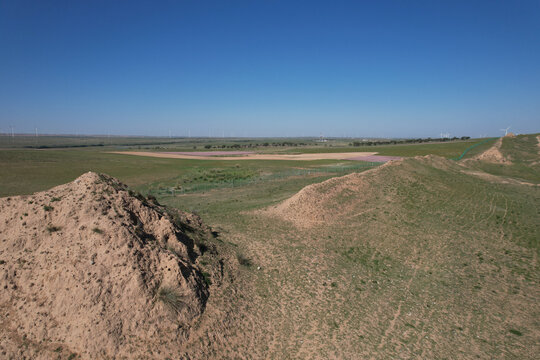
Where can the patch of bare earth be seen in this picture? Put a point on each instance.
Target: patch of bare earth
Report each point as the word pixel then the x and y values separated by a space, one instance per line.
pixel 493 154
pixel 292 157
pixel 90 270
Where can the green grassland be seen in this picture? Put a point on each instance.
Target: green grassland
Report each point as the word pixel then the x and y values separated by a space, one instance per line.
pixel 523 153
pixel 151 143
pixel 425 261
pixel 27 170
pixel 446 149
pixel 70 141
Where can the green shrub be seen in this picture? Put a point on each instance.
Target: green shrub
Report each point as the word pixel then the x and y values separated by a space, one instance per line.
pixel 206 277
pixel 244 261
pixel 171 298
pixel 52 228
pixel 97 230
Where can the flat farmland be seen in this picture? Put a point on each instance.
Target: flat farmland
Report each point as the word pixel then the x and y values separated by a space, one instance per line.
pixel 26 170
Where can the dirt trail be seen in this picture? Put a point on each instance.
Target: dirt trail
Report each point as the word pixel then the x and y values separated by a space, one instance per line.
pixel 497 179
pixel 397 313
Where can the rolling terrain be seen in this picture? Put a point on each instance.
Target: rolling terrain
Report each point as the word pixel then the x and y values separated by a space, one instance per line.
pixel 423 257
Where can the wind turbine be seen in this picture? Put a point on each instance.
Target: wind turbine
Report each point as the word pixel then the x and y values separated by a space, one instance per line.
pixel 505 130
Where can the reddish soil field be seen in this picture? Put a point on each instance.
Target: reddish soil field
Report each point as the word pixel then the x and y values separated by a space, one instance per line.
pixel 210 153
pixel 248 156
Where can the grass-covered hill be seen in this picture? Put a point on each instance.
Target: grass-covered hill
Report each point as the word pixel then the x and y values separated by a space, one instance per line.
pixel 423 258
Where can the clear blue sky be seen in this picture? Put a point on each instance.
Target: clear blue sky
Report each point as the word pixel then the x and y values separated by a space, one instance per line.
pixel 270 68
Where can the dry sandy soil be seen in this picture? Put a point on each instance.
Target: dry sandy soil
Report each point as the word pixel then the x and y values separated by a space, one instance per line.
pixel 321 156
pixel 88 270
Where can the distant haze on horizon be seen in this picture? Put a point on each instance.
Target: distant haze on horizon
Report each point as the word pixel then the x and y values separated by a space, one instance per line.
pixel 270 68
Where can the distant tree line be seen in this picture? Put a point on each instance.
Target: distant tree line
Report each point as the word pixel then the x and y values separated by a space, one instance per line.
pixel 61 146
pixel 406 141
pixel 253 145
pixel 64 146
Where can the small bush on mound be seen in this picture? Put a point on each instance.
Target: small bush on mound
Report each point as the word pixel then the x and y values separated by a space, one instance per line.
pixel 152 199
pixel 52 228
pixel 47 208
pixel 516 332
pixel 206 277
pixel 171 298
pixel 242 260
pixel 97 230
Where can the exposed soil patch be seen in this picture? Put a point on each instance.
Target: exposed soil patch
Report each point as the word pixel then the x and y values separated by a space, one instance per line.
pixel 492 155
pixel 376 158
pixel 321 156
pixel 209 153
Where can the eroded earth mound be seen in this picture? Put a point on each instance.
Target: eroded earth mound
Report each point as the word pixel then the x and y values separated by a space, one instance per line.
pixel 90 270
